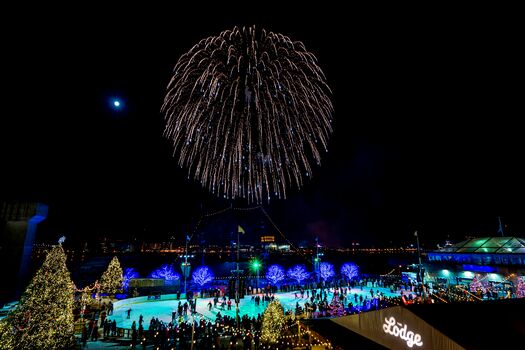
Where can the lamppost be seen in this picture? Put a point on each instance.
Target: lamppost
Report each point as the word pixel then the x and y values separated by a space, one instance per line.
pixel 185 269
pixel 317 260
pixel 256 264
pixel 419 266
pixel 237 285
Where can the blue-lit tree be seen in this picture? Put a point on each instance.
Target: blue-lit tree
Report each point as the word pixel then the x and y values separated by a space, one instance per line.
pixel 326 271
pixel 298 273
pixel 202 275
pixel 165 272
pixel 129 273
pixel 350 271
pixel 275 274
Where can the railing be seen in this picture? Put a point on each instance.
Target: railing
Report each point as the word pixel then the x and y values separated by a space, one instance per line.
pixel 469 293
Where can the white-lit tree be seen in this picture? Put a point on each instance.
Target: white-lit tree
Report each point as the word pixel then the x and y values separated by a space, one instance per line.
pixel 44 317
pixel 272 322
pixel 7 340
pixel 111 281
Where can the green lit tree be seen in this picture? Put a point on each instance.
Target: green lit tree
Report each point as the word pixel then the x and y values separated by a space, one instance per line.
pixel 111 281
pixel 44 316
pixel 272 322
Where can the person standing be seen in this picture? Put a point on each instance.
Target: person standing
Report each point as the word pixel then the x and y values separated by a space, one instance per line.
pixel 133 335
pixel 94 334
pixel 84 334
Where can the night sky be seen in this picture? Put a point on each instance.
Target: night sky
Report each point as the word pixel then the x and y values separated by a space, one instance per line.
pixel 428 132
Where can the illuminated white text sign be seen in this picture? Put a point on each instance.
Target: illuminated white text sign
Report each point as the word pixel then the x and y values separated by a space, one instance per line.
pixel 397 329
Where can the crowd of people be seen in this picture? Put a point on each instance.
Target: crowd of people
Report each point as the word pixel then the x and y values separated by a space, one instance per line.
pixel 312 301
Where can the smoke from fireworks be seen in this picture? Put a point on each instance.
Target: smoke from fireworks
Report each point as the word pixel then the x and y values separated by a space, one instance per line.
pixel 248 113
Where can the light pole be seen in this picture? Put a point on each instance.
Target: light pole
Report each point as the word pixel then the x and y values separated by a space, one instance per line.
pixel 420 265
pixel 256 264
pixel 185 270
pixel 316 259
pixel 257 280
pixel 192 327
pixel 237 286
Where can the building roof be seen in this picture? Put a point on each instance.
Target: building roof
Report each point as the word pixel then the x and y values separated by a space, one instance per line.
pixel 495 245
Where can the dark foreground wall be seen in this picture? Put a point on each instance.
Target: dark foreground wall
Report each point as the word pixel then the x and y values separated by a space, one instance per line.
pixel 498 324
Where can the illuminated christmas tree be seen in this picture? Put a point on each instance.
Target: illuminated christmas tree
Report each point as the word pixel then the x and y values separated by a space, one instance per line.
pixel 44 317
pixel 272 322
pixel 336 308
pixel 477 284
pixel 111 281
pixel 520 288
pixel 6 335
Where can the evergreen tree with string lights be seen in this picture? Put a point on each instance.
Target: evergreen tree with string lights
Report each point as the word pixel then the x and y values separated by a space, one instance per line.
pixel 111 280
pixel 520 288
pixel 6 335
pixel 44 316
pixel 272 322
pixel 476 285
pixel 336 308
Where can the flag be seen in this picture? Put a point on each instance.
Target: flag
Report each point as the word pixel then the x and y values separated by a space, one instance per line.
pixel 240 229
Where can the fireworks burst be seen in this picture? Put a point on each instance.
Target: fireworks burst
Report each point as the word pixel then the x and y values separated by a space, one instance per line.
pixel 248 113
